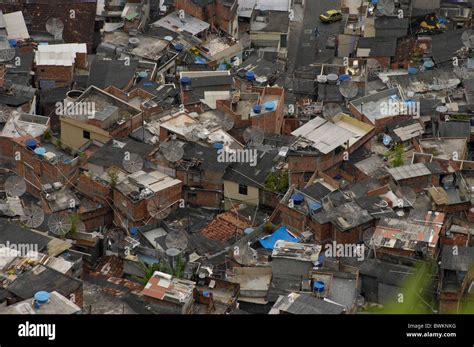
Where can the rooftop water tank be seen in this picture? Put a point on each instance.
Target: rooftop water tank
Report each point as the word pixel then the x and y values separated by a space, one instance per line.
pixel 168 38
pixel 319 286
pixel 322 78
pixel 314 206
pixel 134 231
pixel 270 105
pixel 250 75
pixel 332 78
pixel 257 109
pixel 248 231
pixel 40 151
pixel 41 298
pixel 142 74
pixel 344 77
pixel 412 70
pixel 31 144
pixel 12 42
pixel 428 64
pixel 297 198
pixel 185 80
pixel 218 145
pixel 179 47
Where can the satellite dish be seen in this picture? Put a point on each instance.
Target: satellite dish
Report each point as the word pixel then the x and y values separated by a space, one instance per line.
pixel 59 223
pixel 172 151
pixel 373 67
pixel 386 7
pixel 348 89
pixel 330 110
pixel 226 122
pixel 467 38
pixel 191 133
pixel 254 136
pixel 370 241
pixel 55 27
pixel 132 163
pixel 15 186
pixel 158 207
pixel 177 240
pixel 172 252
pixel 33 216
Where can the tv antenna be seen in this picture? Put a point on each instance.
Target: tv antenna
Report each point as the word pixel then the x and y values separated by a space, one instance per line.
pixel 132 163
pixel 59 223
pixel 373 67
pixel 467 38
pixel 348 89
pixel 254 135
pixel 386 7
pixel 158 207
pixel 15 186
pixel 176 242
pixel 330 110
pixel 226 122
pixel 172 151
pixel 55 27
pixel 33 216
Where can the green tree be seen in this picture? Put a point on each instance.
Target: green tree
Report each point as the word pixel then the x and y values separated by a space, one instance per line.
pixel 113 175
pixel 277 181
pixel 147 270
pixel 395 155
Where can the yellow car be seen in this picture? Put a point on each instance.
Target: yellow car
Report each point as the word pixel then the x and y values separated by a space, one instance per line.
pixel 330 16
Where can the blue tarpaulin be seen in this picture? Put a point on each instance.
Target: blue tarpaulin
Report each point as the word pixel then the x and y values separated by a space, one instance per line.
pixel 268 242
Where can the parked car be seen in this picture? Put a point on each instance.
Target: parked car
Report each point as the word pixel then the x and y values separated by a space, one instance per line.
pixel 330 16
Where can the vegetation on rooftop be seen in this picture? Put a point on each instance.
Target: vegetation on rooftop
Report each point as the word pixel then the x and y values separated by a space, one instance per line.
pixel 395 155
pixel 113 176
pixel 147 270
pixel 277 181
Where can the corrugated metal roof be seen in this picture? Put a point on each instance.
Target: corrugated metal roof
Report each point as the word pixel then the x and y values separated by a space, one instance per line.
pixel 409 171
pixel 325 135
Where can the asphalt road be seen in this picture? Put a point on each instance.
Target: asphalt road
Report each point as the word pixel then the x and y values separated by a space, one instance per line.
pixel 312 49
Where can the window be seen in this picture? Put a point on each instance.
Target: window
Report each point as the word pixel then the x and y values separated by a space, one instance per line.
pixel 243 189
pixel 86 135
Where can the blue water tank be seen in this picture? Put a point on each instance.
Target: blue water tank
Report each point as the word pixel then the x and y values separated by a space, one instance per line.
pixel 428 64
pixel 41 298
pixel 270 105
pixel 206 294
pixel 185 80
pixel 314 206
pixel 248 231
pixel 218 145
pixel 31 144
pixel 142 74
pixel 250 75
pixel 179 47
pixel 257 109
pixel 297 198
pixel 12 42
pixel 40 151
pixel 344 77
pixel 134 231
pixel 319 286
pixel 412 70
